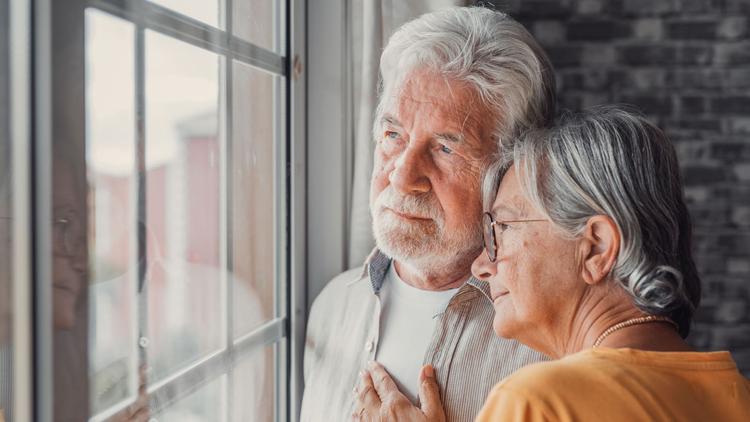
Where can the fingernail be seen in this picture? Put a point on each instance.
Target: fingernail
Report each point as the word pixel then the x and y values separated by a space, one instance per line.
pixel 429 371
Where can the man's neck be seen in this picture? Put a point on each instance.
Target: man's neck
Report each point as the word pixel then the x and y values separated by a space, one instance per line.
pixel 426 279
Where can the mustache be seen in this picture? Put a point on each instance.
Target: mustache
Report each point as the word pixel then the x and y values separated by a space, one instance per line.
pixel 423 206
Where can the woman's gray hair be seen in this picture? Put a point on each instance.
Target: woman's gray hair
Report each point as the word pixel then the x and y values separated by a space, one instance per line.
pixel 485 48
pixel 611 161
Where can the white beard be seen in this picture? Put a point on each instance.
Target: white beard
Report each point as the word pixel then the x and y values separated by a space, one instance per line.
pixel 422 243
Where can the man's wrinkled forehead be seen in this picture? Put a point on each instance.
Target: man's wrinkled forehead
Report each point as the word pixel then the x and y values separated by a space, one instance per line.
pixel 445 96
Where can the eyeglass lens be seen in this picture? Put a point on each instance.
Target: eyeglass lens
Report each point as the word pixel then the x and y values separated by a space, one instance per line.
pixel 489 237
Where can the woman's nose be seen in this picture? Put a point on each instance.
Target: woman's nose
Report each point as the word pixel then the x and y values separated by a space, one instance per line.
pixel 482 268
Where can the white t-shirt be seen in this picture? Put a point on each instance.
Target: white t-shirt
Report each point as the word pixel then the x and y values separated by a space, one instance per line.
pixel 407 324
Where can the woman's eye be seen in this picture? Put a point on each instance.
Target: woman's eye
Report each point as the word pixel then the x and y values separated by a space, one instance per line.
pixel 503 227
pixel 445 149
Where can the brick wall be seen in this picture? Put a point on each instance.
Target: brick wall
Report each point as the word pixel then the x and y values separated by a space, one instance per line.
pixel 686 64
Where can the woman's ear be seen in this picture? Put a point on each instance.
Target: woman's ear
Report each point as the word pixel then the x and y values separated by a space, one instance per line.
pixel 599 247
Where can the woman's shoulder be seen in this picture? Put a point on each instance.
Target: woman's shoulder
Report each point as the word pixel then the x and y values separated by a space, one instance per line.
pixel 569 371
pixel 547 391
pixel 541 392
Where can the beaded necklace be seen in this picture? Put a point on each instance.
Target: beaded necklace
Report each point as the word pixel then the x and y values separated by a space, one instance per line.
pixel 631 322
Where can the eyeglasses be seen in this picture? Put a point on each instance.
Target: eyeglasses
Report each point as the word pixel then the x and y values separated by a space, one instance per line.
pixel 488 232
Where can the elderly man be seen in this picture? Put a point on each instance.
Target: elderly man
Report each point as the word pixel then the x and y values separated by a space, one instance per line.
pixel 454 83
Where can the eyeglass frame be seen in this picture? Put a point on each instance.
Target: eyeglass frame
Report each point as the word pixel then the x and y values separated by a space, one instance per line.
pixel 493 237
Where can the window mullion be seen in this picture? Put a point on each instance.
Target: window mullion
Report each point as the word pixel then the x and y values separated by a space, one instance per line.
pixel 228 189
pixel 141 205
pixel 189 30
pixel 268 333
pixel 41 207
pixel 191 379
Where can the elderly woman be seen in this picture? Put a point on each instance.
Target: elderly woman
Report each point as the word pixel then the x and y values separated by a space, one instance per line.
pixel 587 253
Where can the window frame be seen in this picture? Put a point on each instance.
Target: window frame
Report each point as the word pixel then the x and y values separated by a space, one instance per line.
pixel 19 81
pixel 33 25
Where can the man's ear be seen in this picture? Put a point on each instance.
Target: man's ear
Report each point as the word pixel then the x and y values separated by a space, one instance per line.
pixel 598 248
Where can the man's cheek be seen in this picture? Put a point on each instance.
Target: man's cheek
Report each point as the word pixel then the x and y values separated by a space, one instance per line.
pixel 378 183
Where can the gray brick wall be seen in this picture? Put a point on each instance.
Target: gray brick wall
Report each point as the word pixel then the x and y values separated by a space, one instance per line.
pixel 686 64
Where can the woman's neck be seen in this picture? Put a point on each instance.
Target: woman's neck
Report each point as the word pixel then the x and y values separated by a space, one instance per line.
pixel 656 336
pixel 598 310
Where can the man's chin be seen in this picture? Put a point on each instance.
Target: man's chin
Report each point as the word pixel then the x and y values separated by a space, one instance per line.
pixel 399 239
pixel 420 245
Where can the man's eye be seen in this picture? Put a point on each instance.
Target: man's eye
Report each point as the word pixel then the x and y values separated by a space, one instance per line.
pixel 391 135
pixel 445 149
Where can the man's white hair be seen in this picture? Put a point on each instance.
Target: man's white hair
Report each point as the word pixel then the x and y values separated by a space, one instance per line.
pixel 485 48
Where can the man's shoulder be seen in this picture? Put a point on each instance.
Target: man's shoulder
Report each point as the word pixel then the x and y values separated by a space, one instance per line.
pixel 337 291
pixel 347 278
pixel 343 282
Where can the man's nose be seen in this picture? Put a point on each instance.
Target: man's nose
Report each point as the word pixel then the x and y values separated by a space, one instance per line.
pixel 482 268
pixel 408 176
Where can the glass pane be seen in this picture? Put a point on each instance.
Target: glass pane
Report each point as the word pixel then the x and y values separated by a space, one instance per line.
pixel 184 276
pixel 254 389
pixel 206 11
pixel 260 22
pixel 253 216
pixel 6 238
pixel 206 404
pixel 110 149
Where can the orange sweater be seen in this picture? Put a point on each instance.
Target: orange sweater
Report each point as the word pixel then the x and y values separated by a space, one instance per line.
pixel 623 385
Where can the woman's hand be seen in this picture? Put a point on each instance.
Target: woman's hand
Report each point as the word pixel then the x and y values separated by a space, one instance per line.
pixel 378 398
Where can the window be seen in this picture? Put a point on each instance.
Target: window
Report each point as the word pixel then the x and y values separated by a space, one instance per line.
pixel 165 164
pixel 185 159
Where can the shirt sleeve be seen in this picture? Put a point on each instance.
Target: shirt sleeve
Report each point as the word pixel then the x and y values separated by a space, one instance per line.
pixel 507 405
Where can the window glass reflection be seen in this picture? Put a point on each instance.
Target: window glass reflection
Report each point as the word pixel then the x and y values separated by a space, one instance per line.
pixel 253 216
pixel 208 403
pixel 110 146
pixel 145 226
pixel 260 22
pixel 254 386
pixel 185 302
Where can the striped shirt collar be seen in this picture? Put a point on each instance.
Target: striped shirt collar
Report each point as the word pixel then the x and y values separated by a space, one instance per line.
pixel 376 267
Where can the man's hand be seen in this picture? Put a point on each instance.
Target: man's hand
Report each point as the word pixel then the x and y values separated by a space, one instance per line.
pixel 378 398
pixel 138 411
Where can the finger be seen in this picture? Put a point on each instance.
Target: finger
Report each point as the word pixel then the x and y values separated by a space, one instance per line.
pixel 360 415
pixel 368 396
pixel 142 380
pixel 429 394
pixel 142 415
pixel 384 384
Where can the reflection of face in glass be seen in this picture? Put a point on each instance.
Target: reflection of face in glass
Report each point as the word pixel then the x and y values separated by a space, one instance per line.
pixel 68 246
